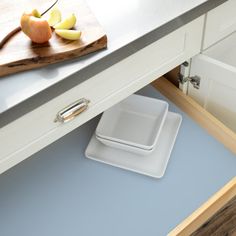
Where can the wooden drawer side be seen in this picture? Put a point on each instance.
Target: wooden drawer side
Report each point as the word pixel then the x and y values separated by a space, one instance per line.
pixel 206 211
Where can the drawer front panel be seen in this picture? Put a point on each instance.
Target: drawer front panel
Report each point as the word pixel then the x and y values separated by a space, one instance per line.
pixel 220 22
pixel 37 129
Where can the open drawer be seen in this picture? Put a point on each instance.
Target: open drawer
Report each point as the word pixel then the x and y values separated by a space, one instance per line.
pixel 216 68
pixel 60 179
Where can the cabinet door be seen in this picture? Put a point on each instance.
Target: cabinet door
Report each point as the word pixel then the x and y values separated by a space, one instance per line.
pixel 220 22
pixel 217 92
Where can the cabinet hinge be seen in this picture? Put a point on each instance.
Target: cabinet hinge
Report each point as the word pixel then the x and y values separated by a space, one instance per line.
pixel 194 80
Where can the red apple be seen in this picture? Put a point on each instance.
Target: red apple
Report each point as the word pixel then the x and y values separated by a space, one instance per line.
pixel 35 27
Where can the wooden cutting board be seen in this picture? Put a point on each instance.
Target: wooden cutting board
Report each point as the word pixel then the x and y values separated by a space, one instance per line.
pixel 20 54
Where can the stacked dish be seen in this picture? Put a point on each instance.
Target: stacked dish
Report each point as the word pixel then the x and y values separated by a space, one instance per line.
pixel 137 134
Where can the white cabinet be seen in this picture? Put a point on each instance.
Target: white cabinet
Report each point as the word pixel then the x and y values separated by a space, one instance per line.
pixel 220 22
pixel 37 129
pixel 216 68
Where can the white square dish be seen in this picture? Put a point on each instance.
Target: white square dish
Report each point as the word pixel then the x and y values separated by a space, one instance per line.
pixel 126 147
pixel 135 122
pixel 156 163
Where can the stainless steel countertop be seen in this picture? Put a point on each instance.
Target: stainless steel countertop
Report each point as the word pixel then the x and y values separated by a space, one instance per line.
pixel 130 26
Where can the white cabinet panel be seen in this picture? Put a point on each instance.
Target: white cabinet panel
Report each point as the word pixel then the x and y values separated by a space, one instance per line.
pixel 220 22
pixel 217 69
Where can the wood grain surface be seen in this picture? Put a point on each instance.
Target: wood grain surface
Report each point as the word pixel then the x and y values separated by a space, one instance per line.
pixel 223 222
pixel 21 54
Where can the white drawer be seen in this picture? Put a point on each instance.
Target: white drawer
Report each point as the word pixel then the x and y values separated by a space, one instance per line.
pixel 220 22
pixel 37 129
pixel 217 69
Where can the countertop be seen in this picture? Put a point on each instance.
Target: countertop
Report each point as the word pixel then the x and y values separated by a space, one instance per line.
pixel 60 192
pixel 130 26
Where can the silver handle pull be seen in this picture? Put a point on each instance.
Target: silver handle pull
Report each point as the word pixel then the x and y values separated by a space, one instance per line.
pixel 72 111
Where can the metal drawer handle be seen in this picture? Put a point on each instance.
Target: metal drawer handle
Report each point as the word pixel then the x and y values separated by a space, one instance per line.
pixel 71 111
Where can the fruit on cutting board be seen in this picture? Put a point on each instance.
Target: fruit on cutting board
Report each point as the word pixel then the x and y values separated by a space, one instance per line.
pixel 67 23
pixel 39 30
pixel 54 17
pixel 68 34
pixel 35 27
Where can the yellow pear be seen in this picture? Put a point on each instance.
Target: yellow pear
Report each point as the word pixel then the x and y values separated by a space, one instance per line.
pixel 54 17
pixel 67 23
pixel 68 34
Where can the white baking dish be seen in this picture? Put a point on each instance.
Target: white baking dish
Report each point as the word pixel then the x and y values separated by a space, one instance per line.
pixel 134 124
pixel 126 147
pixel 154 165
